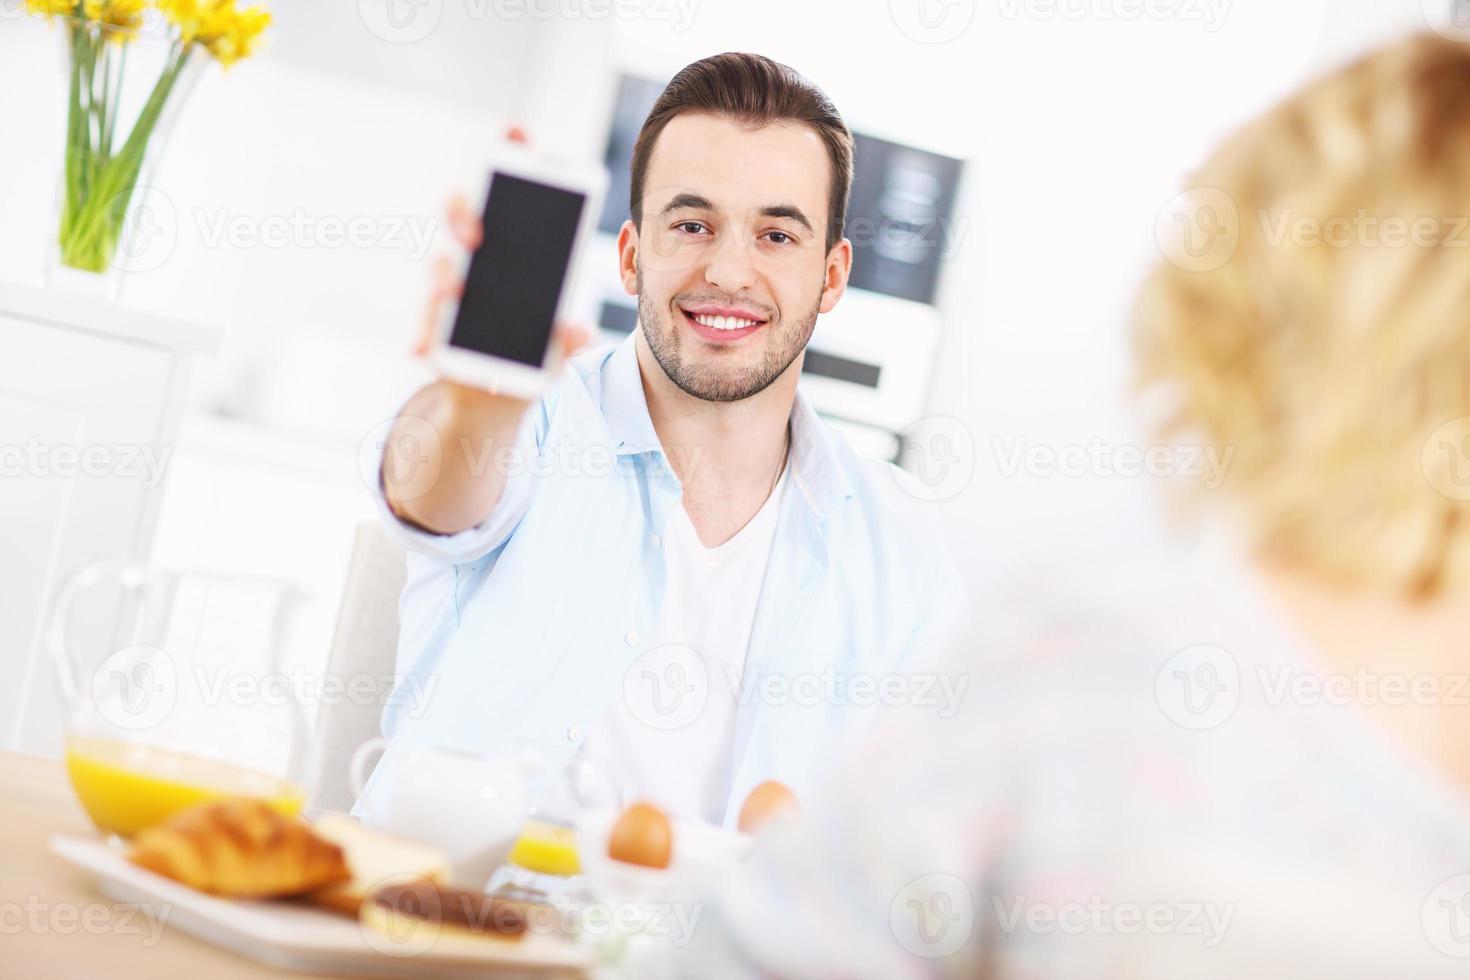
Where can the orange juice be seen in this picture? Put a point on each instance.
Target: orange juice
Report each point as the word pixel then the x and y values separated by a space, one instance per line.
pixel 126 787
pixel 546 848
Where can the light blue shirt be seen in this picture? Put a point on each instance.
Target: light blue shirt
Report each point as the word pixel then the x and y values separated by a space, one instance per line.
pixel 524 627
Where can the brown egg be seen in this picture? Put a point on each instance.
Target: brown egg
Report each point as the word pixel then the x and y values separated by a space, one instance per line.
pixel 643 836
pixel 768 802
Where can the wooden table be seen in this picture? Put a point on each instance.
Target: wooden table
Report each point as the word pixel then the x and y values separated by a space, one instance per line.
pixel 55 924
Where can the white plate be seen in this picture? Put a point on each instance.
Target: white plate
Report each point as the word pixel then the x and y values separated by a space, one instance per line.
pixel 296 937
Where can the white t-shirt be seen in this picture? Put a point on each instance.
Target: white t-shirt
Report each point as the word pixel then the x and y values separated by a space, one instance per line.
pixel 671 733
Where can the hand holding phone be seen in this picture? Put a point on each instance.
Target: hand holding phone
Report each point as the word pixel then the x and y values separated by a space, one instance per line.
pixel 501 334
pixel 496 332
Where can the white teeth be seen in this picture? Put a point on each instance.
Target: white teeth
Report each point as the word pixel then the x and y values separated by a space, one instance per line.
pixel 723 322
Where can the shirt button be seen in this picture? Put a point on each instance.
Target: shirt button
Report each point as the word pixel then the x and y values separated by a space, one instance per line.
pixel 658 542
pixel 631 639
pixel 574 734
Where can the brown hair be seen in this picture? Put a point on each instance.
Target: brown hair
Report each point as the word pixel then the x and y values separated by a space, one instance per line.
pixel 757 91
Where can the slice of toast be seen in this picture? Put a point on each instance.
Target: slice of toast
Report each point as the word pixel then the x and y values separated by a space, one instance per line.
pixel 375 859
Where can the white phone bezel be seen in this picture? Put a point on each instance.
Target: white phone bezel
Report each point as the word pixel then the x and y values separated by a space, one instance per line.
pixel 498 374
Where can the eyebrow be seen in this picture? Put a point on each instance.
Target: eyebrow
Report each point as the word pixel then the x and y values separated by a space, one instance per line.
pixel 790 211
pixel 694 202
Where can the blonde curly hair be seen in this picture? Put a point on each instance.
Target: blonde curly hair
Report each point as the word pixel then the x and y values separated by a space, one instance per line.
pixel 1330 351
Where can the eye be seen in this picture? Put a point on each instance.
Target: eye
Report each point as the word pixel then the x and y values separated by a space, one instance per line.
pixel 779 238
pixel 690 227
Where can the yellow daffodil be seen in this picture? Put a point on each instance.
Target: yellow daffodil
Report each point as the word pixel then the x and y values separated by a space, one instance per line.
pixel 52 8
pixel 222 29
pixel 124 16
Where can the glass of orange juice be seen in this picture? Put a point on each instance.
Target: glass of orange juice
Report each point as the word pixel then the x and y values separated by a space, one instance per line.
pixel 544 860
pixel 179 690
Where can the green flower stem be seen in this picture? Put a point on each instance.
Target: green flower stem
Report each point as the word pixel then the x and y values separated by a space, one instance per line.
pixel 100 183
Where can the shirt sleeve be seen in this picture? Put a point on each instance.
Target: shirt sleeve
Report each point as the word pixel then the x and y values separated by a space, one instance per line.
pixel 476 542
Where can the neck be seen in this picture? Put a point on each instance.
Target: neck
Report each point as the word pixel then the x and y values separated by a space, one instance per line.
pixel 726 454
pixel 1418 647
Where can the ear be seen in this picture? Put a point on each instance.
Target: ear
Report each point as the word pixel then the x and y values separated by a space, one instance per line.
pixel 628 257
pixel 839 267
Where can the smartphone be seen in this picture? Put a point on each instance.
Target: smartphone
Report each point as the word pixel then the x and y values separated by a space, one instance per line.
pixel 516 284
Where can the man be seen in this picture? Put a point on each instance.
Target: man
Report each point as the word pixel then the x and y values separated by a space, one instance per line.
pixel 690 577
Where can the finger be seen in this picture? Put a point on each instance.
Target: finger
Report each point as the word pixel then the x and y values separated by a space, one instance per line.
pixel 464 223
pixel 445 285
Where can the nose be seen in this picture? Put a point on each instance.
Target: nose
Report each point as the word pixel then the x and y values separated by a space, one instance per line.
pixel 731 265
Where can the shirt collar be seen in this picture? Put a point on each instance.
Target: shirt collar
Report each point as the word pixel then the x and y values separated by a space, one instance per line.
pixel 816 466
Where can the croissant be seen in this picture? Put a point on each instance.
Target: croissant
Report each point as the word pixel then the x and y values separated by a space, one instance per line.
pixel 240 848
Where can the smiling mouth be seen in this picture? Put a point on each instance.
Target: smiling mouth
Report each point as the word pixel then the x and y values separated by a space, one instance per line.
pixel 721 325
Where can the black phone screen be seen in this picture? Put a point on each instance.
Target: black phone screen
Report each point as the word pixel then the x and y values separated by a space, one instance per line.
pixel 516 276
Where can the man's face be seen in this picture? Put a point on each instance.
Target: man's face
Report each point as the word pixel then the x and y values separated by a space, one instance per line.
pixel 731 266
